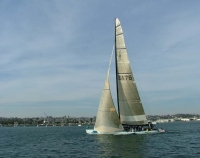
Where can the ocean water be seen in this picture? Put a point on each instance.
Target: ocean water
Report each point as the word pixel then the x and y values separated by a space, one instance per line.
pixel 181 140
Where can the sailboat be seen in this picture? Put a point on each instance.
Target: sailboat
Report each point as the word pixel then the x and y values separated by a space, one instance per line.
pixel 131 118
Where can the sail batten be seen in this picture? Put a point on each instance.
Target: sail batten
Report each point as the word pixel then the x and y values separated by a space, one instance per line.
pixel 130 105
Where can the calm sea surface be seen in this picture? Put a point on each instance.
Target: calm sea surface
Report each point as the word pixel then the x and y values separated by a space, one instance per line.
pixel 182 139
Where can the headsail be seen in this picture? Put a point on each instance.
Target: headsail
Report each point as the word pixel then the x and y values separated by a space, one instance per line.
pixel 107 119
pixel 130 105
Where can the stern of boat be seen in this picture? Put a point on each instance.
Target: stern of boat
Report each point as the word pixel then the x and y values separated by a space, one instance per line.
pixel 91 131
pixel 161 130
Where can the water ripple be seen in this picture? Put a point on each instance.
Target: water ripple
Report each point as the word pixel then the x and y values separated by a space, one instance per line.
pixel 180 140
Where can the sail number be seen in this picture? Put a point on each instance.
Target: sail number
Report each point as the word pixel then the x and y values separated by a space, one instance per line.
pixel 125 77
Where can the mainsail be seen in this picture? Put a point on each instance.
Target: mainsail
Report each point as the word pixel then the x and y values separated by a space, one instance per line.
pixel 129 104
pixel 107 119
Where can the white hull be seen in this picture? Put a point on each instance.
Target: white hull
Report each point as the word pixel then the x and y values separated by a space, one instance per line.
pixel 92 131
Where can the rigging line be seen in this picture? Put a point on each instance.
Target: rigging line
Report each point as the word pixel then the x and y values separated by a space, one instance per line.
pixel 111 56
pixel 110 64
pixel 108 73
pixel 145 100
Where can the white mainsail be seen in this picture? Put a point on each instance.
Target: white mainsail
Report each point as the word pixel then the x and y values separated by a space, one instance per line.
pixel 130 106
pixel 107 119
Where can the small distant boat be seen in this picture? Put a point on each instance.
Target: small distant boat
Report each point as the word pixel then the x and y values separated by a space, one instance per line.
pixel 79 124
pixel 15 124
pixel 131 118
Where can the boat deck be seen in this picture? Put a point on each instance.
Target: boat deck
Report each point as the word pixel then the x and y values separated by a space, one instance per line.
pixel 91 131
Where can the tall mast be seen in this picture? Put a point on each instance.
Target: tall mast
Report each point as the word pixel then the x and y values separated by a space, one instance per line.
pixel 116 72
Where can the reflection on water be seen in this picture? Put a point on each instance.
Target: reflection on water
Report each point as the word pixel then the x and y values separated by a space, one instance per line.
pixel 120 146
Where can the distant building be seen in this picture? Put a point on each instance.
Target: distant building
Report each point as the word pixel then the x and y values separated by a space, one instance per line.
pixel 185 119
pixel 162 120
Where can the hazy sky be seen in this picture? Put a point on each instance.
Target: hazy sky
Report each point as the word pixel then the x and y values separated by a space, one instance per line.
pixel 54 55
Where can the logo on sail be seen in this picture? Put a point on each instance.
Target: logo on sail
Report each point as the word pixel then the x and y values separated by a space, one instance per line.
pixel 125 77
